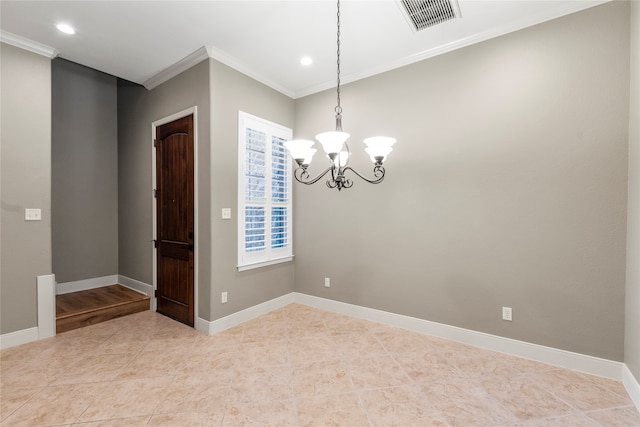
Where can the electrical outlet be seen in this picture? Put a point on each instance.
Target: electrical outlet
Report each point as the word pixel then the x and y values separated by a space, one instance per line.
pixel 223 298
pixel 327 282
pixel 507 314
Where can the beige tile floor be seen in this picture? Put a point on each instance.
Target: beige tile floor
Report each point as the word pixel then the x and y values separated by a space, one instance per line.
pixel 296 366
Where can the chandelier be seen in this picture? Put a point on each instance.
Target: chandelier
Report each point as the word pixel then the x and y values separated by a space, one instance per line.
pixel 334 143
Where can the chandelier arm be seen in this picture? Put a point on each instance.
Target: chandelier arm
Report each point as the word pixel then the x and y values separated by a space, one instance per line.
pixel 302 176
pixel 378 172
pixel 346 147
pixel 337 179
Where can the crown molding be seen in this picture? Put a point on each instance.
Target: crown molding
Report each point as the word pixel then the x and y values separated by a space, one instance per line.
pixel 525 22
pixel 225 58
pixel 213 53
pixel 177 68
pixel 228 60
pixel 26 44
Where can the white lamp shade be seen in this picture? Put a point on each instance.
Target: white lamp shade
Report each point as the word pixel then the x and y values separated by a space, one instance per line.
pixel 343 158
pixel 309 156
pixel 332 142
pixel 300 148
pixel 379 152
pixel 378 142
pixel 379 146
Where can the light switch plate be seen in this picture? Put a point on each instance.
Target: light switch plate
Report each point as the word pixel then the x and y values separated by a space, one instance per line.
pixel 226 213
pixel 32 214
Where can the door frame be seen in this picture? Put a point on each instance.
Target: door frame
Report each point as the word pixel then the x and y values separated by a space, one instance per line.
pixel 184 113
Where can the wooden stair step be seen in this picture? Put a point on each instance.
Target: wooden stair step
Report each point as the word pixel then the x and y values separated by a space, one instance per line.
pixel 83 308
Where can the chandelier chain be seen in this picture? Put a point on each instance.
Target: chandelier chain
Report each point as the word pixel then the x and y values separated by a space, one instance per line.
pixel 338 109
pixel 377 147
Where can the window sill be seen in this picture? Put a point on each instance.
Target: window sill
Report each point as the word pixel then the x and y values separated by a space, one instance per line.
pixel 264 263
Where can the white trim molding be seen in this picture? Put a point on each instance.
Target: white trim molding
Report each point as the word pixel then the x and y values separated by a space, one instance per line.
pixel 182 65
pixel 232 62
pixel 552 356
pixel 525 22
pixel 214 53
pixel 23 336
pixel 46 306
pixel 235 319
pixel 565 359
pixel 86 284
pixel 136 285
pixel 191 111
pixel 632 386
pixel 26 44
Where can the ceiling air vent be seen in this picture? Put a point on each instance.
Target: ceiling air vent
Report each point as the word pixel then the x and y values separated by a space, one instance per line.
pixel 425 13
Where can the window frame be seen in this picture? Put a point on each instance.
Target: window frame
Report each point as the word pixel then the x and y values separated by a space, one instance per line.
pixel 269 256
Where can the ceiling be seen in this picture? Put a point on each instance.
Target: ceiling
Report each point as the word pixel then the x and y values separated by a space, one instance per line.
pixel 148 42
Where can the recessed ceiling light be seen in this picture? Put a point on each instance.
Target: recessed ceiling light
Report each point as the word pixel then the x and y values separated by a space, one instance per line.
pixel 306 60
pixel 66 28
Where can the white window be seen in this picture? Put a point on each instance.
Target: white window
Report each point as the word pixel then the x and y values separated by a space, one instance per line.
pixel 264 193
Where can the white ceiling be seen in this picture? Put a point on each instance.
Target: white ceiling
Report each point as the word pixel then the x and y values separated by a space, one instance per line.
pixel 141 40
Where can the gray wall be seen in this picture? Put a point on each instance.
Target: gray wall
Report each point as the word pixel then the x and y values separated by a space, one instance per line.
pixel 84 169
pixel 137 110
pixel 232 91
pixel 25 152
pixel 218 91
pixel 507 187
pixel 632 324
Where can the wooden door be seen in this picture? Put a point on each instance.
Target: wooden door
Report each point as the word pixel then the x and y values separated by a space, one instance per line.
pixel 174 211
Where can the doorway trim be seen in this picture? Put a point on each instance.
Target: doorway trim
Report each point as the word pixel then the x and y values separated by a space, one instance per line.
pixel 184 113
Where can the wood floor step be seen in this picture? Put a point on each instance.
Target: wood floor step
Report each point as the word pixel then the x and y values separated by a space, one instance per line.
pixel 83 308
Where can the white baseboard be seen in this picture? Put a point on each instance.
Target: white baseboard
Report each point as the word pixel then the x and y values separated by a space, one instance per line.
pixel 136 285
pixel 47 291
pixel 219 325
pixel 565 359
pixel 83 285
pixel 552 356
pixel 23 336
pixel 46 306
pixel 632 386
